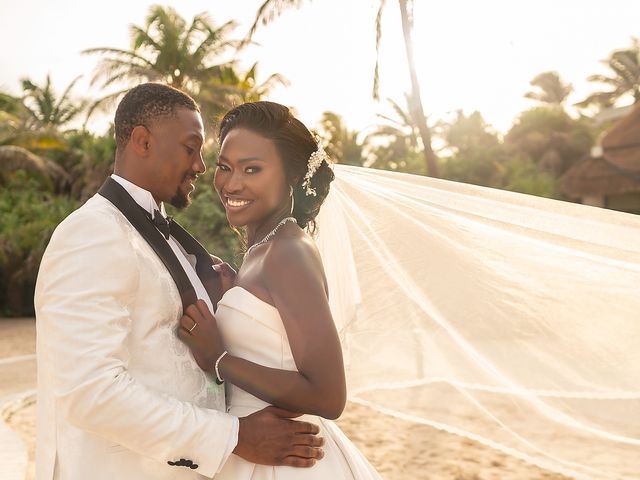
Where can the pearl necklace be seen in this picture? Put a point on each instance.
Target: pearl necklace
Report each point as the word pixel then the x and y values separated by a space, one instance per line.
pixel 269 235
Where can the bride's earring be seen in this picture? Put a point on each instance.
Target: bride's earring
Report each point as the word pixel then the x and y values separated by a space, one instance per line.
pixel 291 195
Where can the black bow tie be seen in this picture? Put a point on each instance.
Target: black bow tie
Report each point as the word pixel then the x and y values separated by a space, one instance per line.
pixel 162 224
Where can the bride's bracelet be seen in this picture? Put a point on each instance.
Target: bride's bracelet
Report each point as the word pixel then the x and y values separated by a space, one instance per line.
pixel 219 379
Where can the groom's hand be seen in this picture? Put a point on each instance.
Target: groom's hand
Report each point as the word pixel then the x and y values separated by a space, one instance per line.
pixel 226 272
pixel 270 437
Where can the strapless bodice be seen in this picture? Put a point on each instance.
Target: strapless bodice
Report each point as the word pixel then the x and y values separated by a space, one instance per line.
pixel 252 329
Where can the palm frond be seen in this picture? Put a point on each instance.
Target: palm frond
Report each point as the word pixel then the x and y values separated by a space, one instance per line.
pixel 376 70
pixel 625 65
pixel 141 37
pixel 275 79
pixel 214 42
pixel 602 79
pixel 602 99
pixel 268 12
pixel 128 54
pixel 104 103
pixel 389 119
pixel 63 110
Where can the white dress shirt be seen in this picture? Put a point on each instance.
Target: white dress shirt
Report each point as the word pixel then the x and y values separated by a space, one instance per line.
pixel 144 198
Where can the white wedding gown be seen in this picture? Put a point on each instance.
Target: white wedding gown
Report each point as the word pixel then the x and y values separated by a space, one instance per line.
pixel 252 329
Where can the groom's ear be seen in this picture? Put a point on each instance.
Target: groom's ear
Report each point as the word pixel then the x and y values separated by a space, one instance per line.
pixel 139 140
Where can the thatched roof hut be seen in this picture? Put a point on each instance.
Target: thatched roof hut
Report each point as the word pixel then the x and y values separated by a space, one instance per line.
pixel 610 177
pixel 598 177
pixel 621 144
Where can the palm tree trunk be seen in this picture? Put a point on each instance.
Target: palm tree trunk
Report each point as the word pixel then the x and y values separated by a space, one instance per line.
pixel 416 101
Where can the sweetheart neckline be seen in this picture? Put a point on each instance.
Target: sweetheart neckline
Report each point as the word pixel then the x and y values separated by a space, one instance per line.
pixel 251 294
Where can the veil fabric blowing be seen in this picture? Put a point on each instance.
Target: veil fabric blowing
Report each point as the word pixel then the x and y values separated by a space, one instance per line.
pixel 509 319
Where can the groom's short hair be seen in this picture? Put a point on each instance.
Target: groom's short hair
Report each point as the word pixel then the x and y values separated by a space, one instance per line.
pixel 146 103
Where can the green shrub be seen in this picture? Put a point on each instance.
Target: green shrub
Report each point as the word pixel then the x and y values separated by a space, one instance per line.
pixel 28 216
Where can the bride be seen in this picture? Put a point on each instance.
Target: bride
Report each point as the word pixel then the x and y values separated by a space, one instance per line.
pixel 505 318
pixel 273 340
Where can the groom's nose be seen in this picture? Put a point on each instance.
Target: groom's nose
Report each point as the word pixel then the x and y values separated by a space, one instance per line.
pixel 199 167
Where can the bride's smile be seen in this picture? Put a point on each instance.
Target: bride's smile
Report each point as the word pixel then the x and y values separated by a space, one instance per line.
pixel 235 203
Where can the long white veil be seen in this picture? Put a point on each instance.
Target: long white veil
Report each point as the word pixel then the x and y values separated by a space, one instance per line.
pixel 510 319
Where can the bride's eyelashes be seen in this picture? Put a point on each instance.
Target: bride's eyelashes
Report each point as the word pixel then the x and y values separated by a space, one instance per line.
pixel 249 169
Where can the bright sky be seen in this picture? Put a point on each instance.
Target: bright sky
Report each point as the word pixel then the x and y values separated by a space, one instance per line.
pixel 471 54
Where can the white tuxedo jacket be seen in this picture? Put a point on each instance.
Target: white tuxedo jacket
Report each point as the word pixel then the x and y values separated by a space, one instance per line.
pixel 119 395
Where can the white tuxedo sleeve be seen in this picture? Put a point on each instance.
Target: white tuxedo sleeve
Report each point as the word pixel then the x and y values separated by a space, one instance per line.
pixel 86 288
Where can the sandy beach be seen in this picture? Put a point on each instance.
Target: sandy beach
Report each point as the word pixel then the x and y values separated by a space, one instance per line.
pixel 398 449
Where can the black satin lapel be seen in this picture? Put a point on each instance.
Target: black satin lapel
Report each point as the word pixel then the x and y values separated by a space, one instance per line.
pixel 209 277
pixel 116 194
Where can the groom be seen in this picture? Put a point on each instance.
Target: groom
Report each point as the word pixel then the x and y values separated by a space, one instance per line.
pixel 119 395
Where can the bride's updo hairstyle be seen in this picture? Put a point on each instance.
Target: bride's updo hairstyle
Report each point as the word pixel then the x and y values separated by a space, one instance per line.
pixel 295 144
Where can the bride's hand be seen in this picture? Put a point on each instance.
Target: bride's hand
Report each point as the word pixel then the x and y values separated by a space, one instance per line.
pixel 226 271
pixel 199 331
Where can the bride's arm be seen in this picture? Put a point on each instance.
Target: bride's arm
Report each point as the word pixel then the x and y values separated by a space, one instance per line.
pixel 294 277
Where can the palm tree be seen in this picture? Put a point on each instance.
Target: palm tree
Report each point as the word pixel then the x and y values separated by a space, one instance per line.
pixel 550 89
pixel 342 144
pixel 396 143
pixel 402 127
pixel 251 90
pixel 415 108
pixel 625 78
pixel 47 112
pixel 230 87
pixel 166 50
pixel 270 9
pixel 36 119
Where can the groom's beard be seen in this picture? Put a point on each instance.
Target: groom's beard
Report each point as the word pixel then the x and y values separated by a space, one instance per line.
pixel 180 199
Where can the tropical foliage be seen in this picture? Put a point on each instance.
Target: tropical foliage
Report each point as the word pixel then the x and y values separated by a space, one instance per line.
pixel 194 57
pixel 44 109
pixel 47 168
pixel 166 49
pixel 29 212
pixel 550 138
pixel 342 144
pixel 549 89
pixel 396 143
pixel 476 153
pixel 271 9
pixel 623 79
pixel 231 87
pixel 543 143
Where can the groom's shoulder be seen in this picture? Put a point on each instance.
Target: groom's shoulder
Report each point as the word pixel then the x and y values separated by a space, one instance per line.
pixel 94 206
pixel 95 215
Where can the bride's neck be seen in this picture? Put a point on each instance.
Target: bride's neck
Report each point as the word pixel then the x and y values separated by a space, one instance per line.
pixel 258 230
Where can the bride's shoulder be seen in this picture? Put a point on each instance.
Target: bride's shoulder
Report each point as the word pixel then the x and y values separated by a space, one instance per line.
pixel 292 251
